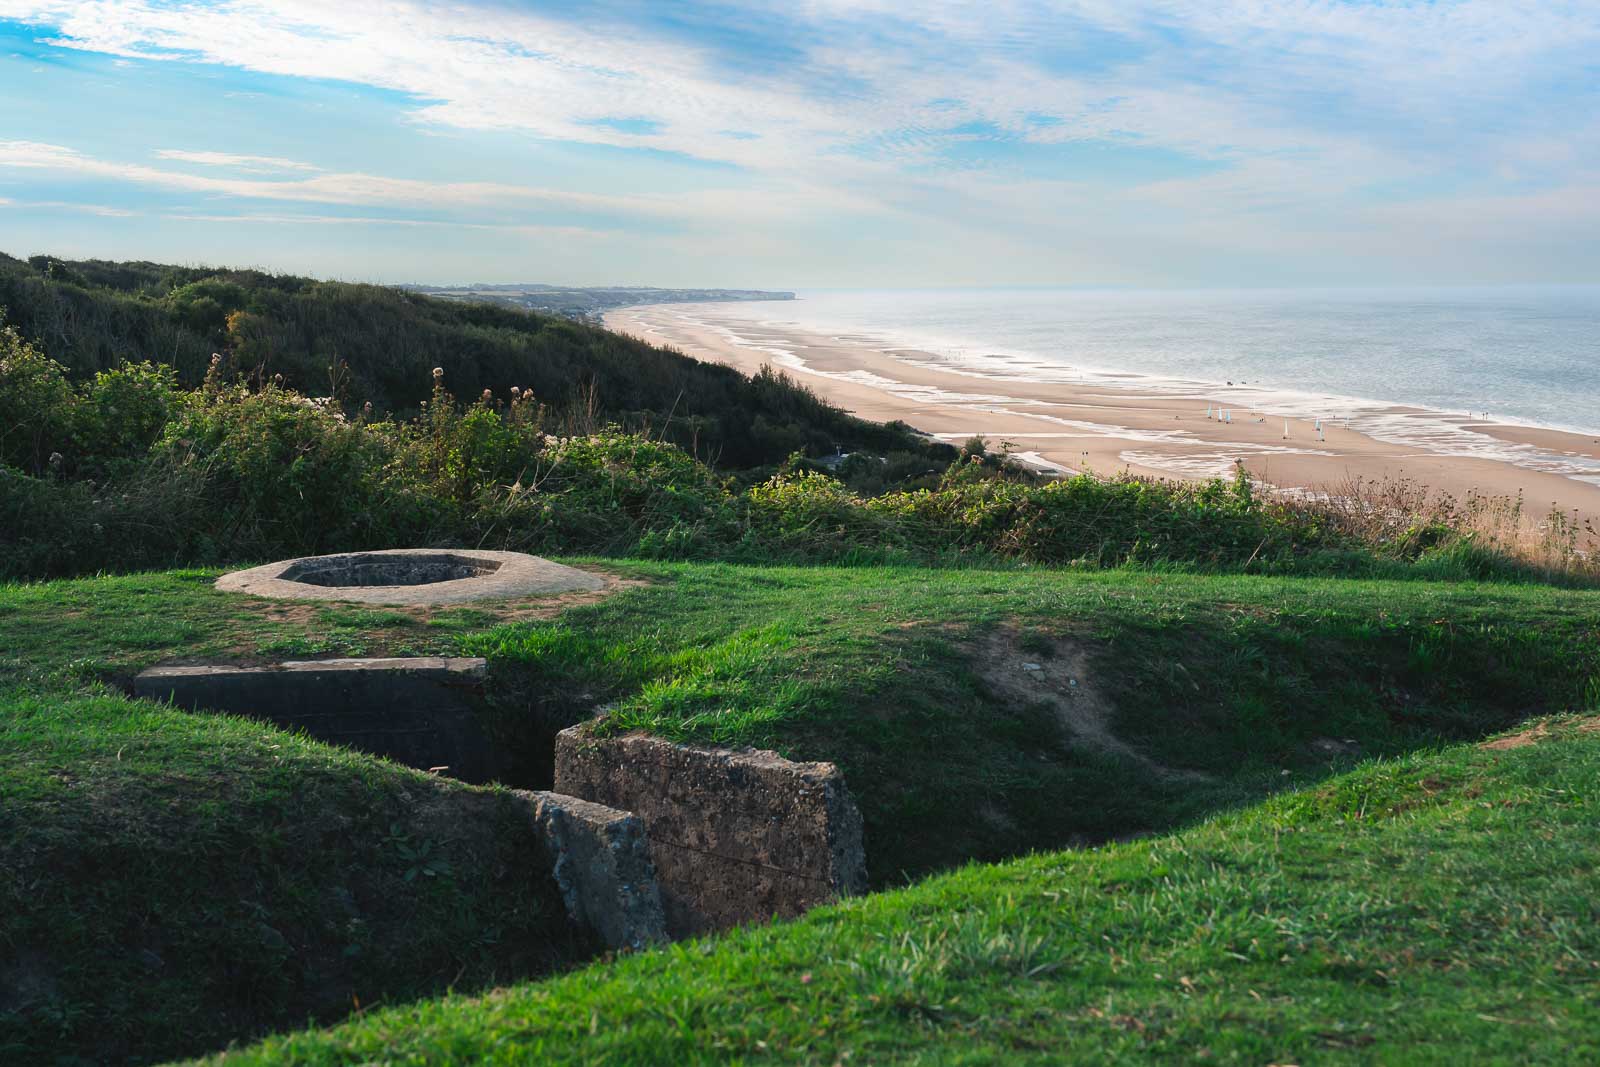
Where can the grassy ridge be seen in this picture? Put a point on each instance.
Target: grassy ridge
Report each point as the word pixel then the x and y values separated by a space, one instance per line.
pixel 94 316
pixel 899 674
pixel 249 879
pixel 173 881
pixel 1437 908
pixel 888 671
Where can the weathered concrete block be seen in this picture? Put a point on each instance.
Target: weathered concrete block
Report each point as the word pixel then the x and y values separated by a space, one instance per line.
pixel 735 836
pixel 602 866
pixel 420 711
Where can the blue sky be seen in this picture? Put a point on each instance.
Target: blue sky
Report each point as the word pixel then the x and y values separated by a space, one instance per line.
pixel 812 142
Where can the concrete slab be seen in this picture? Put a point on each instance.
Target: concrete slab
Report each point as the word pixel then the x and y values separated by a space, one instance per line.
pixel 735 836
pixel 602 866
pixel 419 577
pixel 421 711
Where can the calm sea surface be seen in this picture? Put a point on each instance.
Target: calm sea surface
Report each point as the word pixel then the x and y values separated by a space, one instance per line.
pixel 1529 354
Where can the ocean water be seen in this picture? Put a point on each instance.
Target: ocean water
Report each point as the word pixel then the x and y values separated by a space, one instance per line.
pixel 1521 354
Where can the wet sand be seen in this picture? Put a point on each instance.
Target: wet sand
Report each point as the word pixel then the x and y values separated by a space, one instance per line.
pixel 1108 424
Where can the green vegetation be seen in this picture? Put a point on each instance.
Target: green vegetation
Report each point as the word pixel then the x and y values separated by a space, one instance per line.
pixel 128 471
pixel 911 679
pixel 112 462
pixel 173 881
pixel 1256 689
pixel 370 344
pixel 1221 691
pixel 1432 909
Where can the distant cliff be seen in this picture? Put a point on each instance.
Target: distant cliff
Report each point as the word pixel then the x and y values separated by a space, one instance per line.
pixel 587 303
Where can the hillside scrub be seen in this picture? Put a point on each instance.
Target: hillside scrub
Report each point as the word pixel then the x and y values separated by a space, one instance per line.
pixel 365 344
pixel 128 470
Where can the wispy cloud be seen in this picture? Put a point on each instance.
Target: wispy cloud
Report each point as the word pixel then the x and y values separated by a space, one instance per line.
pixel 1285 115
pixel 368 220
pixel 351 189
pixel 102 210
pixel 249 164
pixel 1217 78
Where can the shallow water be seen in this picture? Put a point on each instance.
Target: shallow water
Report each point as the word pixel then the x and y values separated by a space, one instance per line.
pixel 1525 354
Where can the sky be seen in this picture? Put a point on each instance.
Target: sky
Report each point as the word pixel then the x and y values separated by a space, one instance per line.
pixel 812 143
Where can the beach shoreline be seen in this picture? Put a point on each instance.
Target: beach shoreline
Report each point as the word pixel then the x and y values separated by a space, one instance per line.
pixel 1110 423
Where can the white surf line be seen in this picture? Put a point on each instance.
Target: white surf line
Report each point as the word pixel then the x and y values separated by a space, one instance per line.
pixel 1432 432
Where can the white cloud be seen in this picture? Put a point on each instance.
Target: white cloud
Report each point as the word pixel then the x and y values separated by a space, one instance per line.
pixel 1210 77
pixel 102 210
pixel 1297 109
pixel 248 164
pixel 344 188
pixel 362 220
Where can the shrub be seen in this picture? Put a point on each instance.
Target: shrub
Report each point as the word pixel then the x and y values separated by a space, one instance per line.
pixel 608 491
pixel 284 474
pixel 36 405
pixel 122 412
pixel 156 518
pixel 812 515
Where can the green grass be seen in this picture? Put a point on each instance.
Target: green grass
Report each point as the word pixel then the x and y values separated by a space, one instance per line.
pixel 219 857
pixel 1437 908
pixel 64 634
pixel 882 671
pixel 169 882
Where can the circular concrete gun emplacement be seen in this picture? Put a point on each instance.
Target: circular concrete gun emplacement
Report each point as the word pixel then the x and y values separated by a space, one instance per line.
pixel 414 576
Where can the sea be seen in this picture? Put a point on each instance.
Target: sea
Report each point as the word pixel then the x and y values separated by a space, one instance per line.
pixel 1524 354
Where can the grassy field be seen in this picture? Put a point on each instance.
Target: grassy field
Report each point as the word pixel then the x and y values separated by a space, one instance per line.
pixel 978 714
pixel 1437 908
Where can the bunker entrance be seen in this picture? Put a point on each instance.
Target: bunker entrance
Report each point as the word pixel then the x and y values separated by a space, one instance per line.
pixel 388 569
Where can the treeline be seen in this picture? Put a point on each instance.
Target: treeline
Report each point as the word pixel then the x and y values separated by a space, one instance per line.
pixel 374 345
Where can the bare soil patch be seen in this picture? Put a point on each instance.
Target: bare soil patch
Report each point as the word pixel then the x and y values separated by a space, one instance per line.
pixel 1534 734
pixel 1059 672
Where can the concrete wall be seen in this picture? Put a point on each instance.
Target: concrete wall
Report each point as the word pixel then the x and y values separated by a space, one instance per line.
pixel 421 711
pixel 602 867
pixel 734 836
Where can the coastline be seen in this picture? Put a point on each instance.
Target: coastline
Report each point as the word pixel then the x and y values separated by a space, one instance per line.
pixel 1109 423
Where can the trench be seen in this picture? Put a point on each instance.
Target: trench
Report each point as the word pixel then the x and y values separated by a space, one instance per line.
pixel 646 840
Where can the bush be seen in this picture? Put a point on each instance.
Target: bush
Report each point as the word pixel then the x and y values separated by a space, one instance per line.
pixel 36 405
pixel 284 475
pixel 121 413
pixel 154 519
pixel 811 515
pixel 612 492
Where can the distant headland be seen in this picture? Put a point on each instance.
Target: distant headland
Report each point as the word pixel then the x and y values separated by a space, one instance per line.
pixel 587 303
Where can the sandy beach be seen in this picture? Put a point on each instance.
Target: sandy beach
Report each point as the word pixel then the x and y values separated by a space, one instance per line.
pixel 1144 426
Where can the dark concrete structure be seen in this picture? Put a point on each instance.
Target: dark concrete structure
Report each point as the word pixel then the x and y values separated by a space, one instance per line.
pixel 735 836
pixel 421 712
pixel 602 867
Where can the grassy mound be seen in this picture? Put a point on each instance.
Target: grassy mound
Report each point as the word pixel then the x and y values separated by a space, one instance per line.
pixel 170 882
pixel 1436 908
pixel 249 880
pixel 1152 698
